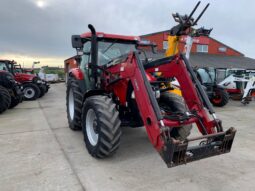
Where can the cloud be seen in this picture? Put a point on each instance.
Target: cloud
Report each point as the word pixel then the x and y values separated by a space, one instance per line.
pixel 27 29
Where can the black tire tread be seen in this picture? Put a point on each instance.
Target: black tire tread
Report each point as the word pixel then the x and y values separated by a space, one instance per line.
pixel 15 100
pixel 224 98
pixel 42 90
pixel 74 124
pixel 110 131
pixel 5 99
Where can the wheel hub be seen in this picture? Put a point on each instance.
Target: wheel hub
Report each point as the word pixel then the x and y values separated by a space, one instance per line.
pixel 91 127
pixel 29 92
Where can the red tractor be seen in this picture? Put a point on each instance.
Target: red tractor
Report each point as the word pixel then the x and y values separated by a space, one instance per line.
pixel 112 88
pixel 10 90
pixel 33 86
pixel 44 85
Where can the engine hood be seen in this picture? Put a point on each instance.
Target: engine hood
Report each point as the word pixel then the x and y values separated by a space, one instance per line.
pixel 21 77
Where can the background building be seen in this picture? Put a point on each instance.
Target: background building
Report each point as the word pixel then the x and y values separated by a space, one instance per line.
pixel 206 51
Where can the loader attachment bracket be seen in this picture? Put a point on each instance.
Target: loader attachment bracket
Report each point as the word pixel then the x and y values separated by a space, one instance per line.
pixel 177 153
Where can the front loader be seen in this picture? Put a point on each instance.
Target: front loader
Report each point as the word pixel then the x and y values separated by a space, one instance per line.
pixel 112 88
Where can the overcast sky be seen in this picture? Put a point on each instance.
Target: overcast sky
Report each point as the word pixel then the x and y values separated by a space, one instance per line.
pixel 41 29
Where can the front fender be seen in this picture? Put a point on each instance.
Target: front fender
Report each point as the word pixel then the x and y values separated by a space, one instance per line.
pixel 76 73
pixel 93 93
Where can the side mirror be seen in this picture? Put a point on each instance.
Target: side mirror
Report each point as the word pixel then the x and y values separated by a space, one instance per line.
pixel 77 42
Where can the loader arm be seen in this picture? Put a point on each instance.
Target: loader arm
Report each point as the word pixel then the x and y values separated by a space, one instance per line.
pixel 158 128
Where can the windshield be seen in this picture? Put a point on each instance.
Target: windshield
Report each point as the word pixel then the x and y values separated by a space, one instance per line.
pixel 3 66
pixel 109 51
pixel 206 75
pixel 17 69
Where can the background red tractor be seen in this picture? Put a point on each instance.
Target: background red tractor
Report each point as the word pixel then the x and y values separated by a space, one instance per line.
pixel 33 86
pixel 10 90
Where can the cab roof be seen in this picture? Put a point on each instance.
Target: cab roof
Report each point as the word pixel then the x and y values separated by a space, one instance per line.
pixel 5 60
pixel 111 36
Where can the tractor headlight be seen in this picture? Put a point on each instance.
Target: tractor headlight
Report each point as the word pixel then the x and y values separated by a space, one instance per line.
pixel 156 93
pixel 133 95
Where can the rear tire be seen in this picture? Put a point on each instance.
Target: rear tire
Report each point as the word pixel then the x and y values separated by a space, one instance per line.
pixel 74 100
pixel 47 89
pixel 221 98
pixel 31 91
pixel 15 100
pixel 101 126
pixel 5 99
pixel 175 103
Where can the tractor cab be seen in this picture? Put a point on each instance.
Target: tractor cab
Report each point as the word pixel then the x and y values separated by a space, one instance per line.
pixel 216 93
pixel 207 75
pixel 10 66
pixel 110 47
pixel 18 69
pixel 3 66
pixel 6 65
pixel 101 50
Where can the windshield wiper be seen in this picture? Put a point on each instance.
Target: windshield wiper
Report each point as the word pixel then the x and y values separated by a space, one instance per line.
pixel 117 59
pixel 107 48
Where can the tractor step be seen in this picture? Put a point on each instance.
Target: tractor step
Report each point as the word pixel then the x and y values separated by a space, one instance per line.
pixel 177 153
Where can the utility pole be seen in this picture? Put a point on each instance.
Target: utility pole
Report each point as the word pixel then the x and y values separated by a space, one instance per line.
pixel 34 63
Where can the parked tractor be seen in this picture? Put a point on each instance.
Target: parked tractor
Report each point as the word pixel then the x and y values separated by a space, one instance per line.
pixel 33 86
pixel 240 84
pixel 112 88
pixel 10 90
pixel 43 85
pixel 216 93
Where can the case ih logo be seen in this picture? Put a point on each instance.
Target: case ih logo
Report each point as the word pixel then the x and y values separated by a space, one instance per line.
pixel 196 40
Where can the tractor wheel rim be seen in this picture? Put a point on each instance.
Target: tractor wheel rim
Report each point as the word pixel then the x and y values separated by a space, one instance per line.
pixel 218 98
pixel 91 126
pixel 71 104
pixel 29 92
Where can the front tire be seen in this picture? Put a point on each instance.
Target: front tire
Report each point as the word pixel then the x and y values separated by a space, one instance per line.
pixel 101 126
pixel 43 90
pixel 15 100
pixel 31 91
pixel 5 99
pixel 74 100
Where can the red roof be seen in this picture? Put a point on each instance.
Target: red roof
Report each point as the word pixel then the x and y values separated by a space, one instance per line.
pixel 112 36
